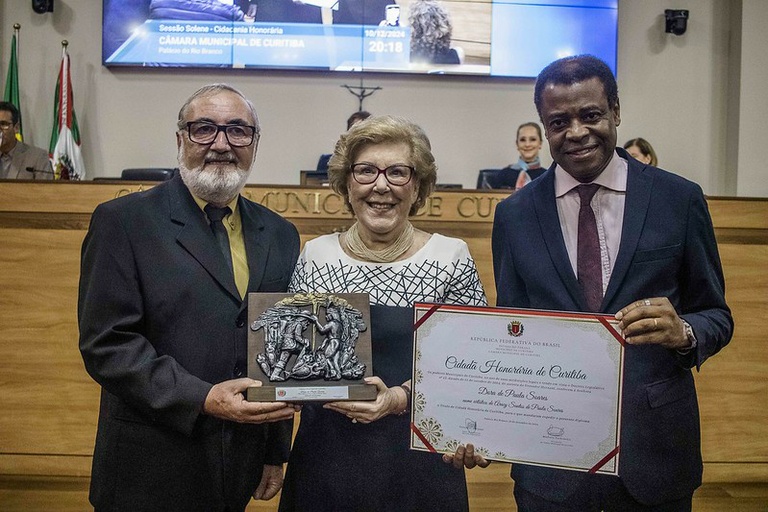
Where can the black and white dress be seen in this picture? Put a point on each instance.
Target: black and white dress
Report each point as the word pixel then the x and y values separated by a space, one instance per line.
pixel 441 271
pixel 337 465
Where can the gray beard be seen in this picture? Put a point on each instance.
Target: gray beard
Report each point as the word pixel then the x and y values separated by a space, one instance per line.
pixel 214 185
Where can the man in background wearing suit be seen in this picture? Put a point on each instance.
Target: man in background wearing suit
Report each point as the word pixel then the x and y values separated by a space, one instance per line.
pixel 642 248
pixel 163 325
pixel 18 160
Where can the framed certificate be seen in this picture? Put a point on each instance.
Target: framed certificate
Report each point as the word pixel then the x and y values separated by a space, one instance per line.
pixel 523 386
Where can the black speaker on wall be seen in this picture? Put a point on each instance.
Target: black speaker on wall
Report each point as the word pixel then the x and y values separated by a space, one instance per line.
pixel 676 21
pixel 42 6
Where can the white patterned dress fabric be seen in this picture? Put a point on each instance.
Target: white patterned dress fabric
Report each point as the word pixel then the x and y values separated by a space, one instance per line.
pixel 441 271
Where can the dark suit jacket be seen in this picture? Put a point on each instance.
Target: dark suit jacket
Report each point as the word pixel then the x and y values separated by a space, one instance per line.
pixel 161 321
pixel 667 249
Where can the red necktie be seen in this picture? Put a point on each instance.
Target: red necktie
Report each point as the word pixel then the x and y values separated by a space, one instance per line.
pixel 588 262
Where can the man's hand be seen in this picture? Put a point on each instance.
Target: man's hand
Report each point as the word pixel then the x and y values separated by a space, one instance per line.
pixel 465 457
pixel 653 321
pixel 271 483
pixel 226 400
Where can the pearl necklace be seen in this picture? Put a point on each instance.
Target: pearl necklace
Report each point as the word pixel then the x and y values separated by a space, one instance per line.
pixel 356 246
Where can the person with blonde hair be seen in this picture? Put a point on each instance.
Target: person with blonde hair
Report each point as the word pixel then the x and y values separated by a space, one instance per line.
pixel 528 166
pixel 431 31
pixel 353 455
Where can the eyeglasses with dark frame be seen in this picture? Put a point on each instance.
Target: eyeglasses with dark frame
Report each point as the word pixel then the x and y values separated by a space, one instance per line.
pixel 398 174
pixel 238 135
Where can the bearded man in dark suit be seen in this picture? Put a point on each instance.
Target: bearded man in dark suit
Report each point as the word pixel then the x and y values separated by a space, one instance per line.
pixel 649 257
pixel 163 325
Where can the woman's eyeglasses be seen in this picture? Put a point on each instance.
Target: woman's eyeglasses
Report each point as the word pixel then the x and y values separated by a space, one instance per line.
pixel 398 174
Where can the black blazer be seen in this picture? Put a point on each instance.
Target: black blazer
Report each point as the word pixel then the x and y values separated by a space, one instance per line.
pixel 667 249
pixel 161 321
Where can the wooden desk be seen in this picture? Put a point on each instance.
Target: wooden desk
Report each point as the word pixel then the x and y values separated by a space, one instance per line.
pixel 49 404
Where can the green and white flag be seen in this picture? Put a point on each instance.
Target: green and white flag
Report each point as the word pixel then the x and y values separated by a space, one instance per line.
pixel 64 150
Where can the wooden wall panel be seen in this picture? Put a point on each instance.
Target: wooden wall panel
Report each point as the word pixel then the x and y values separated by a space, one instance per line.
pixel 49 401
pixel 733 388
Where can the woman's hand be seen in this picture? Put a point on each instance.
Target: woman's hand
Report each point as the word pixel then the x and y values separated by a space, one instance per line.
pixel 388 401
pixel 465 457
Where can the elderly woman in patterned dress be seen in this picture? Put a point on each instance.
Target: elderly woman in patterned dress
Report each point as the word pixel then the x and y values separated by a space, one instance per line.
pixel 354 455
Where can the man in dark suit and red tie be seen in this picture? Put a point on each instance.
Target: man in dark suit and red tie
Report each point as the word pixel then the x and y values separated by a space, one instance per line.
pixel 163 325
pixel 601 232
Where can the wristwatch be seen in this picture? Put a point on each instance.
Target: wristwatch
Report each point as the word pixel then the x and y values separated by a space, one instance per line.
pixel 688 331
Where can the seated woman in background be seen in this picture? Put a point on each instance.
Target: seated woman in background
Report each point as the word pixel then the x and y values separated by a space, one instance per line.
pixel 354 455
pixel 528 166
pixel 431 31
pixel 528 146
pixel 640 149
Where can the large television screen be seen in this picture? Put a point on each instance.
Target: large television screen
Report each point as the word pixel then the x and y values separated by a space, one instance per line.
pixel 504 38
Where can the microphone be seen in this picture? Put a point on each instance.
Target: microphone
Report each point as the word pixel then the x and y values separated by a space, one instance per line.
pixel 34 171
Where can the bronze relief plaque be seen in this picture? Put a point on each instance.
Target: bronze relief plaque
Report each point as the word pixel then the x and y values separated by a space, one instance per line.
pixel 309 347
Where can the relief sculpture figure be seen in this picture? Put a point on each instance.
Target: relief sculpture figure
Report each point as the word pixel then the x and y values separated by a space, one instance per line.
pixel 331 358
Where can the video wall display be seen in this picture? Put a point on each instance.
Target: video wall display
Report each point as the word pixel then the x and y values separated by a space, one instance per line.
pixel 503 38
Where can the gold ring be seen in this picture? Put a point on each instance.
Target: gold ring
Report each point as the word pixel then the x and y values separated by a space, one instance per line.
pixel 647 302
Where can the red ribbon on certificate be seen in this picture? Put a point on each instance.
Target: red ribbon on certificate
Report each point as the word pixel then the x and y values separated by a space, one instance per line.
pixel 602 462
pixel 611 330
pixel 423 439
pixel 428 314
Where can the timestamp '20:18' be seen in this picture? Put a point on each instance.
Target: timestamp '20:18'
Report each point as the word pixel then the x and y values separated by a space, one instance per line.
pixel 385 46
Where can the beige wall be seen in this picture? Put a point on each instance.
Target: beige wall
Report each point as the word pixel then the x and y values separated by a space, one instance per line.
pixel 674 91
pixel 753 101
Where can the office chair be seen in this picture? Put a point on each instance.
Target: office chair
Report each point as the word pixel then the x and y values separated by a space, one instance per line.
pixel 488 178
pixel 322 163
pixel 147 174
pixel 505 178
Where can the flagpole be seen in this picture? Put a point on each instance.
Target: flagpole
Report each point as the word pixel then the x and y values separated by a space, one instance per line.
pixel 17 35
pixel 64 80
pixel 16 31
